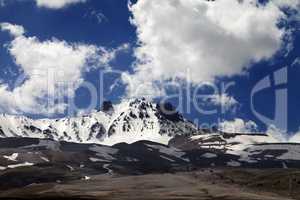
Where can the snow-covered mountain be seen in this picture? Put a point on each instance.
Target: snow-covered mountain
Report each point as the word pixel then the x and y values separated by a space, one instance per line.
pixel 129 121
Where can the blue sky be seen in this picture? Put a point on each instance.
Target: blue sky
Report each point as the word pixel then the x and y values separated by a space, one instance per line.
pixel 166 46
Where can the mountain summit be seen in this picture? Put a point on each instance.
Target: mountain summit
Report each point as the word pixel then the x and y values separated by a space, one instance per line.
pixel 129 121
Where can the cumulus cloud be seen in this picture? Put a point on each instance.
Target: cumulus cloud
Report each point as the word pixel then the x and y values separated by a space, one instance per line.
pixel 13 29
pixel 294 4
pixel 281 136
pixel 50 68
pixel 50 4
pixel 56 4
pixel 295 138
pixel 238 126
pixel 225 101
pixel 276 135
pixel 200 40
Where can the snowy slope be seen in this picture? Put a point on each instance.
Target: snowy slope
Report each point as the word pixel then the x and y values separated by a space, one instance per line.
pixel 231 143
pixel 136 158
pixel 271 151
pixel 130 121
pixel 250 149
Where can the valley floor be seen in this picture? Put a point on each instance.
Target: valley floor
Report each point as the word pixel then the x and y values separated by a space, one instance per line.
pixel 203 184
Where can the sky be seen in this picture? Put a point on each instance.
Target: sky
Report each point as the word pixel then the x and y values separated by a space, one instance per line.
pixel 229 62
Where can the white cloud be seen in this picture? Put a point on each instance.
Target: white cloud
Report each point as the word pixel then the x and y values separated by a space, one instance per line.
pixel 50 4
pixel 225 101
pixel 57 4
pixel 199 40
pixel 110 54
pixel 13 29
pixel 49 67
pixel 282 136
pixel 290 3
pixel 296 62
pixel 238 126
pixel 277 134
pixel 295 138
pixel 242 126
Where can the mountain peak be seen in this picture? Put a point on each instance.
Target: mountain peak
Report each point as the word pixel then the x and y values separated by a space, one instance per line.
pixel 130 121
pixel 107 107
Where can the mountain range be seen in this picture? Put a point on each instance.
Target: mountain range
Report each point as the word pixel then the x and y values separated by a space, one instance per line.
pixel 129 121
pixel 40 158
pixel 134 121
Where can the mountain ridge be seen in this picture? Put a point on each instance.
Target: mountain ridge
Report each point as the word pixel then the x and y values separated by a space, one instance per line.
pixel 129 121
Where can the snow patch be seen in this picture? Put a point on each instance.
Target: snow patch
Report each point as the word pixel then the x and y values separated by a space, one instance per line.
pixel 233 164
pixel 104 152
pixel 45 159
pixel 26 164
pixel 166 158
pixel 171 151
pixel 12 157
pixel 209 155
pixel 97 160
pixel 86 178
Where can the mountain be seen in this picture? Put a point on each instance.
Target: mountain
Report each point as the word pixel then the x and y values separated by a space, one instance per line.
pixel 47 169
pixel 132 130
pixel 254 150
pixel 33 168
pixel 231 143
pixel 130 121
pixel 142 157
